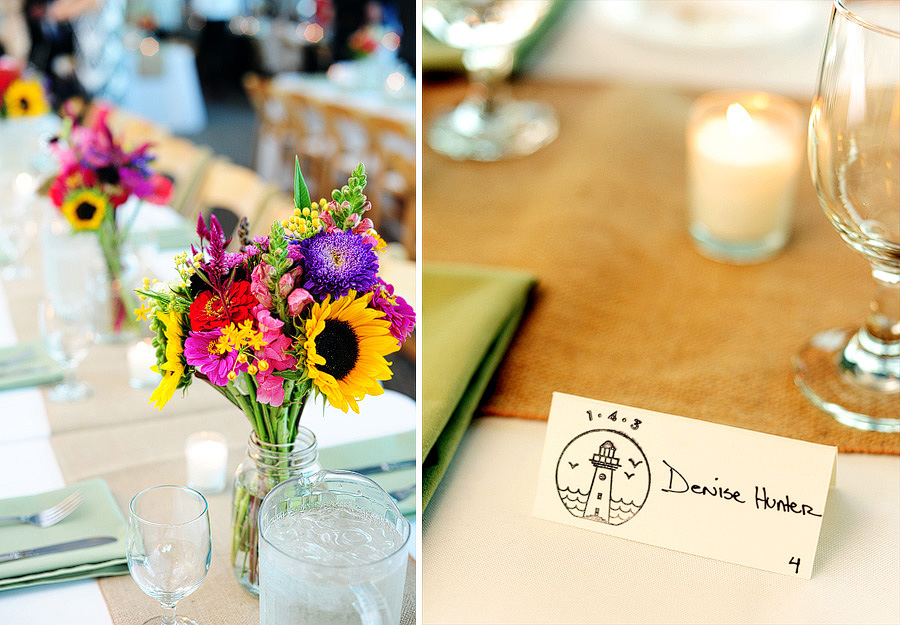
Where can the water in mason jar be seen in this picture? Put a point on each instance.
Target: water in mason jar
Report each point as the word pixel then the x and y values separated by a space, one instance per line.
pixel 332 551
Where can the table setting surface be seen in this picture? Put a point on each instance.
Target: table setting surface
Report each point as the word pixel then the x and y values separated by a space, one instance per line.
pixel 625 310
pixel 116 437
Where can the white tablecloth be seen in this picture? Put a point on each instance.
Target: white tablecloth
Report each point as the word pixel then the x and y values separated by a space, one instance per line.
pixel 487 560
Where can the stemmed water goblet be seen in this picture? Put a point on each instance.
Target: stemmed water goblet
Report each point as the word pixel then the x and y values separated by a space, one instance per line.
pixel 168 546
pixel 67 331
pixel 854 154
pixel 487 126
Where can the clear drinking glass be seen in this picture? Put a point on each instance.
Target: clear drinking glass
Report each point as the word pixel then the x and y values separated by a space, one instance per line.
pixel 487 126
pixel 18 223
pixel 854 154
pixel 67 332
pixel 332 551
pixel 168 546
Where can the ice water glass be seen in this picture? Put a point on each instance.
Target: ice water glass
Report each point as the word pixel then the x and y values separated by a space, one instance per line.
pixel 332 552
pixel 168 546
pixel 67 332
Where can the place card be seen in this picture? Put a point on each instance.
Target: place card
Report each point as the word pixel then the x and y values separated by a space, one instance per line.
pixel 711 490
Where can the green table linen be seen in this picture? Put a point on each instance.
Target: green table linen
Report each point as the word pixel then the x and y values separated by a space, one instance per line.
pixel 471 315
pixel 27 364
pixel 98 515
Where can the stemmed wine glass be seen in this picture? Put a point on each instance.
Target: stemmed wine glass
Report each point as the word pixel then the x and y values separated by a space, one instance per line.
pixel 67 332
pixel 854 154
pixel 168 546
pixel 487 126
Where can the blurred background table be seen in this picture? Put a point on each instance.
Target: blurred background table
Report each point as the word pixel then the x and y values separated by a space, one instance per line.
pixel 625 310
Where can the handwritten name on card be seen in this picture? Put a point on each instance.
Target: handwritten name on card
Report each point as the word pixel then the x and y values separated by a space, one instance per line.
pixel 711 490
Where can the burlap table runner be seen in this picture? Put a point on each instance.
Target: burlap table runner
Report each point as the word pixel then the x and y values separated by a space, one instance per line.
pixel 625 309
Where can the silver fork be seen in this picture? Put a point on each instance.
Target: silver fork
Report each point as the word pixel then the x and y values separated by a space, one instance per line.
pixel 402 493
pixel 52 515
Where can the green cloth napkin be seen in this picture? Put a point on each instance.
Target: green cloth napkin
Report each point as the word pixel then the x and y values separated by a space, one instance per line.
pixel 27 364
pixel 472 315
pixel 98 515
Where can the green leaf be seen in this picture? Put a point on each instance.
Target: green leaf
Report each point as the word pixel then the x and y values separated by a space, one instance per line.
pixel 301 193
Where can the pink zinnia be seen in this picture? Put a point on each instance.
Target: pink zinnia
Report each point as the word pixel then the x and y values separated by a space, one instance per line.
pixel 200 351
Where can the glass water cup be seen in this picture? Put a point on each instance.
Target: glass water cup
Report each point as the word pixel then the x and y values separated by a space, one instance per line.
pixel 332 551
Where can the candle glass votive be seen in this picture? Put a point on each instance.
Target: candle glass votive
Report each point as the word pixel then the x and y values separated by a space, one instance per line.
pixel 206 454
pixel 744 151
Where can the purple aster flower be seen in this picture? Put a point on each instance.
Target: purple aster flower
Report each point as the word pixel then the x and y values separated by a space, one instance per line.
pixel 336 262
pixel 201 351
pixel 396 310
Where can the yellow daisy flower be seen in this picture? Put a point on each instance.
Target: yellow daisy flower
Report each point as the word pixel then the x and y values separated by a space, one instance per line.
pixel 85 209
pixel 25 97
pixel 173 368
pixel 346 342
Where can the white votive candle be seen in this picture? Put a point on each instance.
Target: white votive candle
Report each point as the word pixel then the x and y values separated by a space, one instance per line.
pixel 207 457
pixel 744 151
pixel 141 357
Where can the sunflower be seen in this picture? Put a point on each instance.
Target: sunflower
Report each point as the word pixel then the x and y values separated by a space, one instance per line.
pixel 25 97
pixel 346 342
pixel 173 367
pixel 85 209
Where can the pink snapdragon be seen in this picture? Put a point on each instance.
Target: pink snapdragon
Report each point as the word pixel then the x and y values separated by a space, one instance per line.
pixel 259 284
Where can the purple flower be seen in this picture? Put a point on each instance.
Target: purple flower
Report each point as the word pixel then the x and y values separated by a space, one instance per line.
pixel 396 310
pixel 336 262
pixel 201 351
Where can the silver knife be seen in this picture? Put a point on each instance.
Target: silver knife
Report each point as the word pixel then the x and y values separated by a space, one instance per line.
pixel 41 551
pixel 385 467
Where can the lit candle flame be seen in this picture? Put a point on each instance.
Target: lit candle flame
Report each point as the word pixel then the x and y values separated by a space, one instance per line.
pixel 739 121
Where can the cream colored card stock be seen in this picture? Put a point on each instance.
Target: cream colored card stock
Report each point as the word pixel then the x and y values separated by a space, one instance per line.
pixel 711 490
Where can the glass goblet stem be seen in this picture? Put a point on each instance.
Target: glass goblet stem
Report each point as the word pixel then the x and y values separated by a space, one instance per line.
pixel 168 614
pixel 872 356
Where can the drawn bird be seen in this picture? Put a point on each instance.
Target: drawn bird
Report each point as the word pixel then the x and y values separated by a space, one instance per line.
pixel 635 464
pixel 573 464
pixel 629 475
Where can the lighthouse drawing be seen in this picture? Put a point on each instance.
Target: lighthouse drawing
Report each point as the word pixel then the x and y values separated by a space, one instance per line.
pixel 605 464
pixel 585 471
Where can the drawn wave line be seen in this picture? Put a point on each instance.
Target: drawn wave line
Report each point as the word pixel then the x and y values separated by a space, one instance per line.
pixel 578 499
pixel 568 490
pixel 622 501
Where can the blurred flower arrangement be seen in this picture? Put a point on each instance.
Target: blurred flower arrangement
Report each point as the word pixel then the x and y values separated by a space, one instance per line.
pixel 363 41
pixel 96 176
pixel 22 93
pixel 299 312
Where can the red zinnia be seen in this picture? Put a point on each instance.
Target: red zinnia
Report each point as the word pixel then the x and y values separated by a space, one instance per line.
pixel 208 311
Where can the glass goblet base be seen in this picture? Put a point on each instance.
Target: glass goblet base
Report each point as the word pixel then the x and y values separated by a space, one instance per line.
pixel 180 620
pixel 505 129
pixel 831 387
pixel 74 391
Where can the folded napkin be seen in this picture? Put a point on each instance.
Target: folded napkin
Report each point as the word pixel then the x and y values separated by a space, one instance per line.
pixel 98 515
pixel 472 315
pixel 390 448
pixel 27 364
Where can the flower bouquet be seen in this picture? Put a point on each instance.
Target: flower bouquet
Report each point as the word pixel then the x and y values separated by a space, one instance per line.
pixel 21 93
pixel 96 176
pixel 299 312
